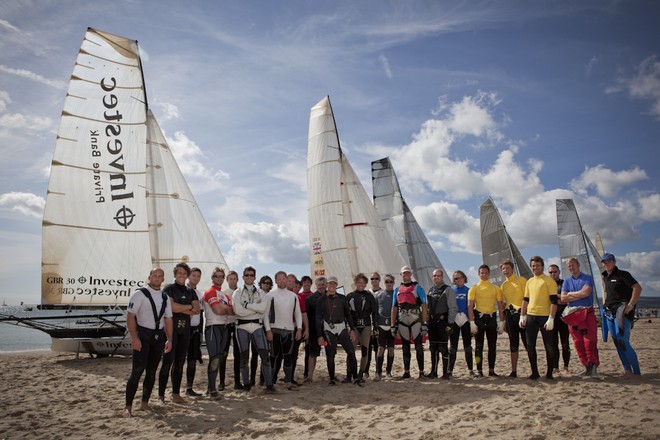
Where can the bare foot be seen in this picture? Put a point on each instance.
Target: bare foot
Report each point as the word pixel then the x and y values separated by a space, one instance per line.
pixel 145 406
pixel 128 412
pixel 161 400
pixel 178 399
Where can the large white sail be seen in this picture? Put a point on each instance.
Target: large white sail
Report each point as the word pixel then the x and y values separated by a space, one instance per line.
pixel 497 245
pixel 178 229
pixel 401 224
pixel 345 231
pixel 95 237
pixel 572 241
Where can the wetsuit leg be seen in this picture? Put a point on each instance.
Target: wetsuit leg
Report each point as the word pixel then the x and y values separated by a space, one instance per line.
pixel 479 342
pixel 254 364
pixel 531 332
pixel 287 355
pixel 276 355
pixel 491 335
pixel 466 335
pixel 193 355
pixel 237 360
pixel 380 355
pixel 434 346
pixel 243 338
pixel 549 349
pixel 444 347
pixel 405 332
pixel 364 339
pixel 147 360
pixel 513 328
pixel 351 360
pixel 216 341
pixel 390 352
pixel 294 355
pixel 181 353
pixel 453 346
pixel 168 361
pixel 258 338
pixel 330 352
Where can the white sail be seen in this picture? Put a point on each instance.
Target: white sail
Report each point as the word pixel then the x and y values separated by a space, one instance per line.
pixel 497 245
pixel 572 241
pixel 95 236
pixel 401 224
pixel 178 229
pixel 346 234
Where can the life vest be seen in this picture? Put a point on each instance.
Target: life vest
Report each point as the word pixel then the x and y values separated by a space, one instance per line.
pixel 407 296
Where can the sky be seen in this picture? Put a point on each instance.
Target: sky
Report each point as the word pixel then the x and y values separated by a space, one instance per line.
pixel 522 101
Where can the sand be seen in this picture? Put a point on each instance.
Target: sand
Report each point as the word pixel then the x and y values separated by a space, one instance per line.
pixel 54 395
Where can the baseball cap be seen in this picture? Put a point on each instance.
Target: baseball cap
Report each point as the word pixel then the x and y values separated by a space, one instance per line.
pixel 406 269
pixel 608 257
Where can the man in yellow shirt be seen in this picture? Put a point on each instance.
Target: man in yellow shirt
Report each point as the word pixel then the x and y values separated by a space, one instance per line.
pixel 484 301
pixel 539 307
pixel 513 291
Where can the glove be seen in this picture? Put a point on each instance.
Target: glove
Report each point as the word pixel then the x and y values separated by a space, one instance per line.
pixel 500 327
pixel 393 331
pixel 374 331
pixel 550 323
pixel 523 321
pixel 425 329
pixel 473 327
pixel 449 329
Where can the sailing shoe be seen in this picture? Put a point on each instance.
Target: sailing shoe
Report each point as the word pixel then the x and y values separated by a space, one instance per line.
pixel 513 374
pixel 406 375
pixel 192 393
pixel 215 395
pixel 594 371
pixel 347 380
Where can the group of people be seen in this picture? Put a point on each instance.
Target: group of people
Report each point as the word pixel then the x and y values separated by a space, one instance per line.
pixel 267 323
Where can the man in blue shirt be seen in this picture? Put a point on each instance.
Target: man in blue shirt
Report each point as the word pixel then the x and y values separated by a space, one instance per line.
pixel 578 291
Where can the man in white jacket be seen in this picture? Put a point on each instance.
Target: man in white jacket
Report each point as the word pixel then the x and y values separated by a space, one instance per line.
pixel 249 306
pixel 283 324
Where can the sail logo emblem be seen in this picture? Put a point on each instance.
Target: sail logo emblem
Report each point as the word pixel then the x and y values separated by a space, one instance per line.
pixel 316 247
pixel 124 217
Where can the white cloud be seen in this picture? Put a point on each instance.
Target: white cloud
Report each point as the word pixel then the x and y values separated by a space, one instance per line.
pixel 18 120
pixel 472 116
pixel 267 243
pixel 593 62
pixel 646 84
pixel 449 226
pixel 170 111
pixel 27 204
pixel 7 25
pixel 189 157
pixel 608 183
pixel 61 85
pixel 386 65
pixel 640 264
pixel 649 207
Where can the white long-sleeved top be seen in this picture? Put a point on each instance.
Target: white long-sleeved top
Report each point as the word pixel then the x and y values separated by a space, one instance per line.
pixel 283 310
pixel 249 303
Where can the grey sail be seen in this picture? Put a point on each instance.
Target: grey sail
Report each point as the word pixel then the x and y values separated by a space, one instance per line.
pixel 401 224
pixel 497 245
pixel 572 241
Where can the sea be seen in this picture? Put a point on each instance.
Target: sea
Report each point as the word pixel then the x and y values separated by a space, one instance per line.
pixel 14 338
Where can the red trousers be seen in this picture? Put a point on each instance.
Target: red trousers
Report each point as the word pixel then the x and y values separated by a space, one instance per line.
pixel 585 337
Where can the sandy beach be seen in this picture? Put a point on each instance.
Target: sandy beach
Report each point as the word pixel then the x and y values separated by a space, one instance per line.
pixel 54 395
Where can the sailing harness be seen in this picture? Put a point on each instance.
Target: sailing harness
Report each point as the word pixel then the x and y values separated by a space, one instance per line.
pixel 153 335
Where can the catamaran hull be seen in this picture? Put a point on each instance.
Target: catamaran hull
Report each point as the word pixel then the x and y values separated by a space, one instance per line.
pixel 97 346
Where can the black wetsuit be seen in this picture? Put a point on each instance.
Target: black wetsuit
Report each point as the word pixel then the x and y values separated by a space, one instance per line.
pixel 333 321
pixel 364 311
pixel 175 359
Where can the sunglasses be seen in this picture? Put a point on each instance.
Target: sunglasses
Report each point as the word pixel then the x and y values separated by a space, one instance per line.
pixel 553 271
pixel 218 276
pixel 249 275
pixel 375 279
pixel 267 282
